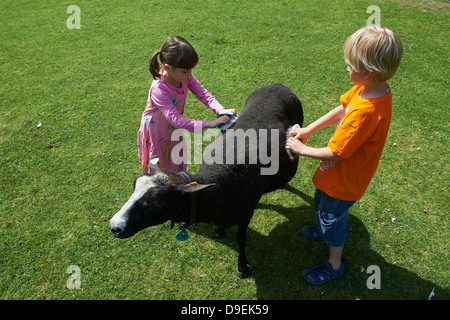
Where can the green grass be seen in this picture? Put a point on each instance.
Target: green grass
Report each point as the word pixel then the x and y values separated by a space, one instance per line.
pixel 61 183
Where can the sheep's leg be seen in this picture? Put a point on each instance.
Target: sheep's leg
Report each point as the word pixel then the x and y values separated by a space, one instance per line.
pixel 241 236
pixel 219 232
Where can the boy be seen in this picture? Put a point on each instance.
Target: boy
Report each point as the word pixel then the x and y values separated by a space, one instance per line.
pixel 348 163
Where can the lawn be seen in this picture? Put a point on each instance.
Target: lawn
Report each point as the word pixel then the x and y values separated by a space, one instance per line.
pixel 71 101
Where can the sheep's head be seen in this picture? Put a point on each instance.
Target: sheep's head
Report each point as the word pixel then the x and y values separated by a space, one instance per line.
pixel 156 199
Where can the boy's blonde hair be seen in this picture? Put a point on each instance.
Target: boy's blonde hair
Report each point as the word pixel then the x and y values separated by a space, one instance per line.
pixel 376 49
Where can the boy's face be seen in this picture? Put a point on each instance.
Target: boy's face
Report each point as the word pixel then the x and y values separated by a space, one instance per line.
pixel 358 78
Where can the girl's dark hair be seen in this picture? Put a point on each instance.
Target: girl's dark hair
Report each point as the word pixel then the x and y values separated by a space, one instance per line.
pixel 176 52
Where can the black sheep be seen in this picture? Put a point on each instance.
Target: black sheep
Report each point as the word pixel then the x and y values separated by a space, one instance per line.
pixel 225 193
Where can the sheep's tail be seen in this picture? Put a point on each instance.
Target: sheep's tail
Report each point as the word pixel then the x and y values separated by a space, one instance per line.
pixel 289 152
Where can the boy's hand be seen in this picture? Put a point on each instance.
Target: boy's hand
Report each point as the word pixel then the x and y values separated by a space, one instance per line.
pixel 301 134
pixel 296 146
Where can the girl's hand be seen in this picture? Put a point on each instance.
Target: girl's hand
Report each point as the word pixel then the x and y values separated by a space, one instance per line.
pixel 217 122
pixel 228 110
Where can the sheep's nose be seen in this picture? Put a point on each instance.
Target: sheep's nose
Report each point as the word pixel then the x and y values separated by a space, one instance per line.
pixel 115 231
pixel 116 226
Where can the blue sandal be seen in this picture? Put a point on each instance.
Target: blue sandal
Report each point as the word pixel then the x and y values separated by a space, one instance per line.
pixel 311 233
pixel 323 273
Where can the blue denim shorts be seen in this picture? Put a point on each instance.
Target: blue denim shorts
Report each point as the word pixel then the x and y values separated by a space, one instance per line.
pixel 331 218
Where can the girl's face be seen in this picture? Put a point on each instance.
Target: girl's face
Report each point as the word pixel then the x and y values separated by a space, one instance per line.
pixel 175 76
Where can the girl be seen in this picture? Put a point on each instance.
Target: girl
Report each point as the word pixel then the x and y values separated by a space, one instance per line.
pixel 171 68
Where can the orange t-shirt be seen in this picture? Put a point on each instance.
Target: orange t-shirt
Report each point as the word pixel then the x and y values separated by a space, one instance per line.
pixel 359 139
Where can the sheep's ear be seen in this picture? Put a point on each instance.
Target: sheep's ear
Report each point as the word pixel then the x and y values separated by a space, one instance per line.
pixel 153 165
pixel 192 187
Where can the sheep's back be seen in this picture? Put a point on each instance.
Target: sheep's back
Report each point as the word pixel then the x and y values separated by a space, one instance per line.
pixel 273 107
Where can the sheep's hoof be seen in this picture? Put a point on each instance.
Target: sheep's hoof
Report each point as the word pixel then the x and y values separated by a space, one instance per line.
pixel 219 233
pixel 243 272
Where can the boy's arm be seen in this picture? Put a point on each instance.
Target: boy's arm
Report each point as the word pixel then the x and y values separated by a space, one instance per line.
pixel 331 117
pixel 301 149
pixel 328 119
pixel 298 146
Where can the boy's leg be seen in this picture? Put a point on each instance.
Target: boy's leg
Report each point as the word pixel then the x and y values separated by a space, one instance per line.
pixel 331 221
pixel 335 257
pixel 317 198
pixel 310 232
pixel 332 227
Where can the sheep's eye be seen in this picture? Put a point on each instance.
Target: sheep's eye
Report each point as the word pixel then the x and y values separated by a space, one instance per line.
pixel 157 198
pixel 152 201
pixel 157 203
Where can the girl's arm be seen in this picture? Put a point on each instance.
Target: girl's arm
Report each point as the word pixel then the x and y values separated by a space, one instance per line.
pixel 162 99
pixel 204 96
pixel 208 100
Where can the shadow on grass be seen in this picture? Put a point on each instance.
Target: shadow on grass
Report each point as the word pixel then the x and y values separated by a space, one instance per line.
pixel 278 259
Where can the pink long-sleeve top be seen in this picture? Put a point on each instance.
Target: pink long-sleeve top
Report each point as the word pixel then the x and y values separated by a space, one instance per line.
pixel 164 114
pixel 170 101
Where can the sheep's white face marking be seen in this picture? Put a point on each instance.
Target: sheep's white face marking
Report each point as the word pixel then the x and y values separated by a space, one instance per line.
pixel 119 221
